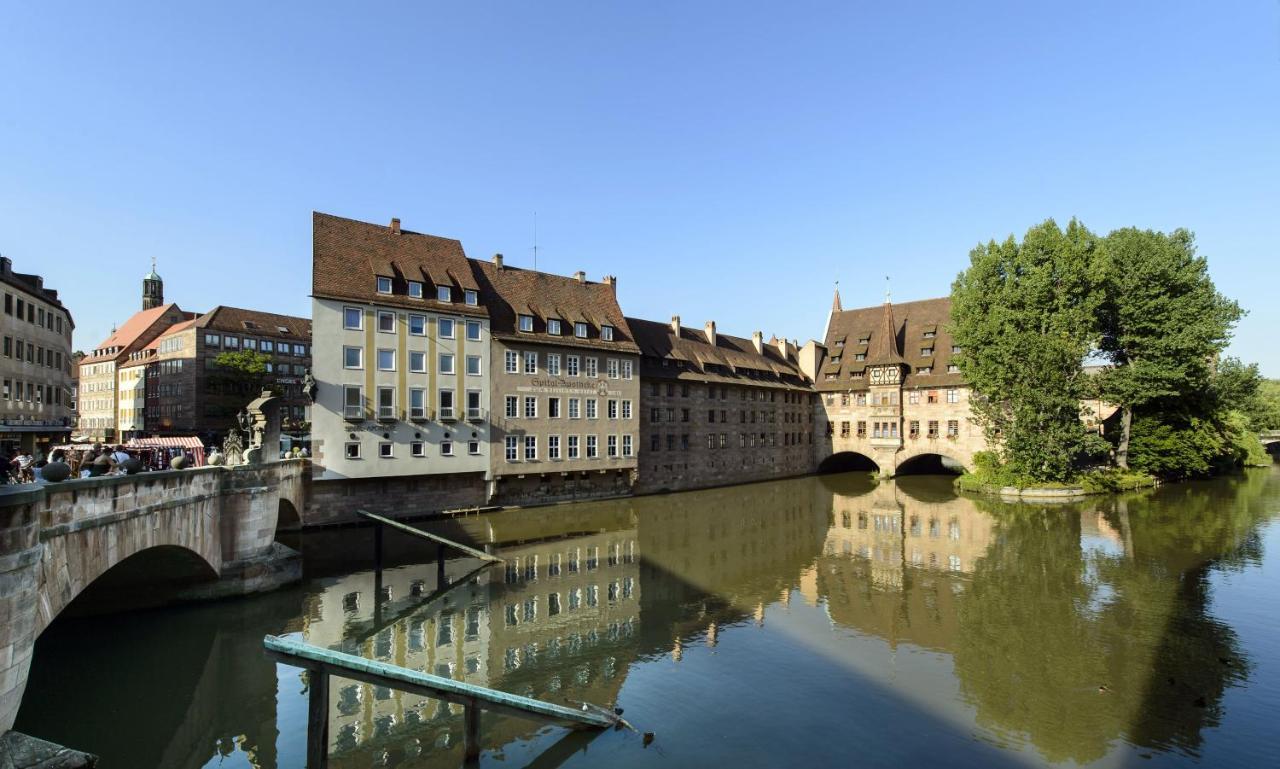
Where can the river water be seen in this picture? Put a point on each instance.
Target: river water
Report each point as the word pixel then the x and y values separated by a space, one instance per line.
pixel 817 622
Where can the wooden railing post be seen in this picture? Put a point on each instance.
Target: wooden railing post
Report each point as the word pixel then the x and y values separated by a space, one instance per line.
pixel 317 719
pixel 471 732
pixel 440 566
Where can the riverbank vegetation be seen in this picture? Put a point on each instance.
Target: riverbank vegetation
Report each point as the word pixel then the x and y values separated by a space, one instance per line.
pixel 1131 322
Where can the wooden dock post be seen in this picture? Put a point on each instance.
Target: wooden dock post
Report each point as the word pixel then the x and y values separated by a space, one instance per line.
pixel 317 719
pixel 471 732
pixel 440 578
pixel 377 547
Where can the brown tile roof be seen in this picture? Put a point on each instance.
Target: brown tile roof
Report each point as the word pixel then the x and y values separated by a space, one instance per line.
pixel 348 256
pixel 253 323
pixel 511 291
pixel 731 360
pixel 128 334
pixel 170 331
pixel 895 333
pixel 33 284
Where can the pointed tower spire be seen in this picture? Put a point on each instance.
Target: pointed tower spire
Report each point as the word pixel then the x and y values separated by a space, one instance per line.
pixel 835 308
pixel 884 340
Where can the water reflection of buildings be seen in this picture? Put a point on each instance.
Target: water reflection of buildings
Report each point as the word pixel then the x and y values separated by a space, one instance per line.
pixel 547 624
pixel 894 565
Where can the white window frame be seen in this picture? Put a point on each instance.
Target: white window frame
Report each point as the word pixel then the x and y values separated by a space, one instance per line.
pixel 593 447
pixel 511 447
pixel 474 325
pixel 571 367
pixel 388 351
pixel 627 369
pixel 593 368
pixel 346 364
pixel 611 368
pixel 450 411
pixel 530 409
pixel 525 323
pixel 420 411
pixel 553 326
pixel 611 409
pixel 446 364
pixel 359 326
pixel 628 449
pixel 446 323
pixel 626 409
pixel 347 407
pixel 553 447
pixel 531 363
pixel 580 329
pixel 386 412
pixel 572 446
pixel 479 370
pixel 415 289
pixel 611 446
pixel 575 408
pixel 420 357
pixel 471 296
pixel 386 450
pixel 511 406
pixel 531 448
pixel 592 408
pixel 347 453
pixel 421 320
pixel 512 362
pixel 553 364
pixel 418 449
pixel 386 314
pixel 606 333
pixel 384 284
pixel 444 294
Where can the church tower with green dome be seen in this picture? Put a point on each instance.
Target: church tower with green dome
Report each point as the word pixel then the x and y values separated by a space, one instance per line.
pixel 152 288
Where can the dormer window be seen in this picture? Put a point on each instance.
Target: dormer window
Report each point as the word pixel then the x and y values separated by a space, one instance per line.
pixel 835 359
pixel 580 330
pixel 415 289
pixel 859 356
pixel 444 294
pixel 930 334
pixel 606 333
pixel 384 285
pixel 553 326
pixel 953 368
pixel 471 297
pixel 926 352
pixel 924 370
pixel 865 340
pixel 526 323
pixel 955 349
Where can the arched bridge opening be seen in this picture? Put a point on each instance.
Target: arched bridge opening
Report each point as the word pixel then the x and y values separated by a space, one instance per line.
pixel 929 464
pixel 151 577
pixel 848 462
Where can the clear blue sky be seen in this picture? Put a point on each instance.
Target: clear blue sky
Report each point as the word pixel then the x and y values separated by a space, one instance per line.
pixel 727 160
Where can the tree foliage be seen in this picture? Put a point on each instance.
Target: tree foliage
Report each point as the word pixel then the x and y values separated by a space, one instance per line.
pixel 1024 315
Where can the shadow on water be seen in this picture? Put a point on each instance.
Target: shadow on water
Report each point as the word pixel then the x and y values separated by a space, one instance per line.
pixel 762 625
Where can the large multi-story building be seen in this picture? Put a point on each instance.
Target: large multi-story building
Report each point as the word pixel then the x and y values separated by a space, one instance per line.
pixel 402 367
pixel 891 390
pixel 36 408
pixel 566 386
pixel 718 409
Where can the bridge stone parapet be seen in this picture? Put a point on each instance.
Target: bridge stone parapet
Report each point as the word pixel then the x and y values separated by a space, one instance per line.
pixel 57 539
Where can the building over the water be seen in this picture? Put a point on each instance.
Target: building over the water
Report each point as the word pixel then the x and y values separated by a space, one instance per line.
pixel 891 390
pixel 36 406
pixel 566 386
pixel 718 409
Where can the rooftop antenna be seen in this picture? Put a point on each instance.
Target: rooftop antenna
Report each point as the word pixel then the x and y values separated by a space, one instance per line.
pixel 535 241
pixel 887 293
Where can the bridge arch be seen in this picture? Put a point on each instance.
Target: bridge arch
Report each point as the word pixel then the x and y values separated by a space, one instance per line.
pixel 149 577
pixel 848 462
pixel 929 463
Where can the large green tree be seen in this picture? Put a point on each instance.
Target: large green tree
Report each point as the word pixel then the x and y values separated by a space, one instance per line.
pixel 1024 315
pixel 1161 322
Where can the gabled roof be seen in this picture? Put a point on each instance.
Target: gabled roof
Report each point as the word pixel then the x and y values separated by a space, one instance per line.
pixel 255 323
pixel 128 334
pixel 348 256
pixel 510 291
pixel 731 360
pixel 896 334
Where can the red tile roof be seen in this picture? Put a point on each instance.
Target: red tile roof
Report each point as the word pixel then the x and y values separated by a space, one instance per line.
pixel 895 334
pixel 128 334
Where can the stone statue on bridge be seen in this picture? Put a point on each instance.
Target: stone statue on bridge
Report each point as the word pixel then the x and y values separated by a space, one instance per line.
pixel 261 422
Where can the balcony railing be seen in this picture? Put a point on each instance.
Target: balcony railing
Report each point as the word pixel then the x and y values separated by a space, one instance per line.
pixel 447 414
pixel 477 415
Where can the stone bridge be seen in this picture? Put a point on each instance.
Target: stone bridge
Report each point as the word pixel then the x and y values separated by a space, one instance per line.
pixel 1269 437
pixel 56 540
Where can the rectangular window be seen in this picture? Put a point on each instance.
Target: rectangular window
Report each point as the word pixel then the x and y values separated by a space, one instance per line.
pixel 512 362
pixel 417 362
pixel 526 323
pixel 473 404
pixel 953 395
pixel 553 364
pixel 606 333
pixel 627 369
pixel 386 360
pixel 417 403
pixel 230 342
pixel 473 448
pixel 512 408
pixel 593 450
pixel 571 365
pixel 445 327
pixel 446 363
pixel 444 294
pixel 926 352
pixel 267 346
pixel 626 409
pixel 417 325
pixel 611 445
pixel 353 450
pixel 512 448
pixel 611 368
pixel 352 402
pixel 353 357
pixel 250 344
pixel 384 285
pixel 531 448
pixel 471 296
pixel 553 326
pixel 573 447
pixel 386 403
pixel 530 407
pixel 627 448
pixel 580 330
pixel 386 322
pixel 592 371
pixel 932 397
pixel 862 429
pixel 473 331
pixel 446 448
pixel 953 428
pixel 553 447
pixel 553 408
pixel 591 408
pixel 473 365
pixel 417 449
pixel 531 363
pixel 611 409
pixel 933 428
pixel 384 450
pixel 446 404
pixel 415 289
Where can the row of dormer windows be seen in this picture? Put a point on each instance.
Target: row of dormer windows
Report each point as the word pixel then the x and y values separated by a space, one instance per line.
pixel 415 290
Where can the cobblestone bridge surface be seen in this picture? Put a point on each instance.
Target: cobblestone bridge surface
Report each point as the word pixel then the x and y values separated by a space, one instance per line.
pixel 57 539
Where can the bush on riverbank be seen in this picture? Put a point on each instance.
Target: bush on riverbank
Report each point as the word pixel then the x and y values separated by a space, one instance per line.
pixel 990 475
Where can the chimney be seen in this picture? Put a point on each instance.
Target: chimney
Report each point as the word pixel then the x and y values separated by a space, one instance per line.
pixel 497 261
pixel 675 324
pixel 395 226
pixel 580 276
pixel 783 347
pixel 711 332
pixel 757 341
pixel 6 266
pixel 611 281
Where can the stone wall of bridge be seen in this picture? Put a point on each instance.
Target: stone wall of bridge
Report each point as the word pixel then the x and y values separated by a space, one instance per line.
pixel 57 539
